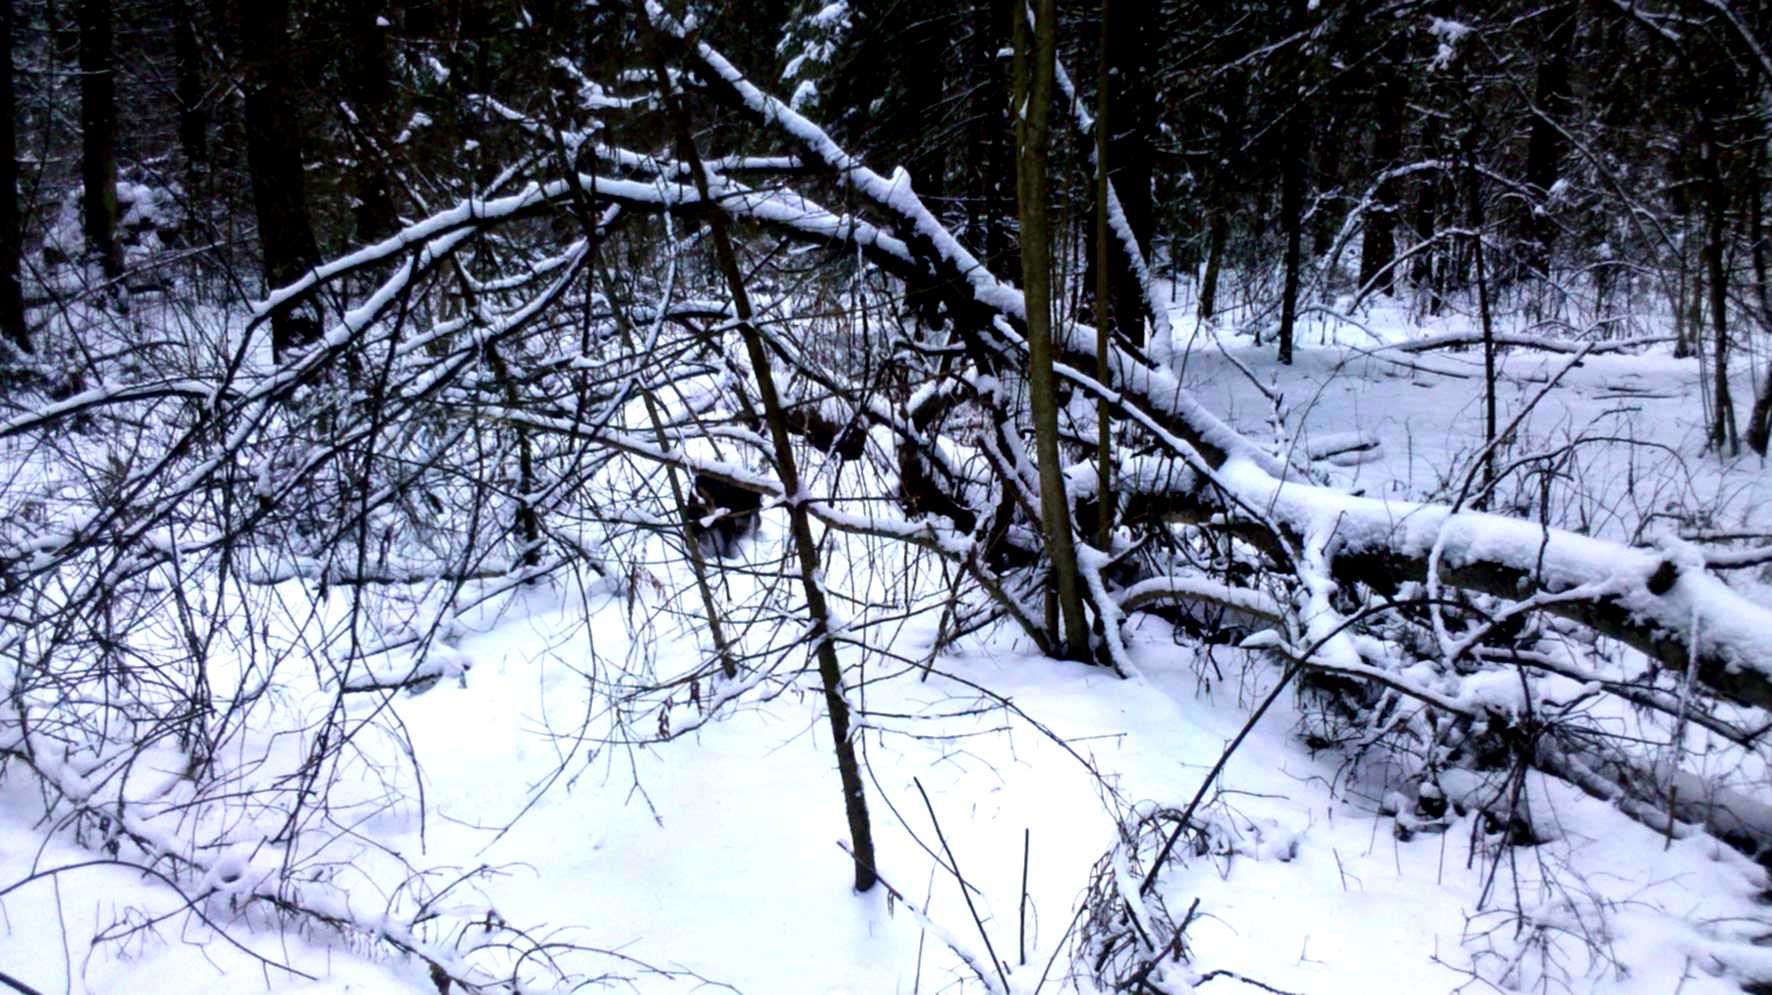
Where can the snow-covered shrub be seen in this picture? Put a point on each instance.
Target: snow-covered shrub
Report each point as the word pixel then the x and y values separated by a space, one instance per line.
pixel 149 220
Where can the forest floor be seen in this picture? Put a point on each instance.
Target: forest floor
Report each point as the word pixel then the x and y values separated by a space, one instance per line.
pixel 714 857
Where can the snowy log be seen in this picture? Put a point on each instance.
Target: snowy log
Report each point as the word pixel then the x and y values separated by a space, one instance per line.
pixel 1672 612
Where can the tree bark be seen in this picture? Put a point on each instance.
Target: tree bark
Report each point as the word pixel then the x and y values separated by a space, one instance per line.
pixel 1425 266
pixel 368 88
pixel 1759 423
pixel 1544 143
pixel 1130 64
pixel 1217 230
pixel 274 161
pixel 12 301
pixel 1474 193
pixel 1104 491
pixel 1715 202
pixel 1295 152
pixel 986 161
pixel 1378 239
pixel 98 135
pixel 1035 71
pixel 193 118
pixel 1756 221
pixel 1292 216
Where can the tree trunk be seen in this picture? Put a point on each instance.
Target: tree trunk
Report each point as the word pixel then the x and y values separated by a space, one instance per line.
pixel 1005 244
pixel 985 162
pixel 1759 423
pixel 1378 240
pixel 1756 220
pixel 98 135
pixel 368 88
pixel 830 670
pixel 274 161
pixel 1292 216
pixel 1715 202
pixel 12 302
pixel 1474 193
pixel 1544 144
pixel 1126 71
pixel 1325 168
pixel 193 119
pixel 1130 62
pixel 1424 264
pixel 1217 230
pixel 1035 70
pixel 1104 492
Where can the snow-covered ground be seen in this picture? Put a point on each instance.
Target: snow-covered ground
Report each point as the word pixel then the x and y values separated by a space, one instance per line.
pixel 713 859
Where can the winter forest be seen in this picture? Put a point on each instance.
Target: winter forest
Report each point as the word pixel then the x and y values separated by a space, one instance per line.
pixel 886 496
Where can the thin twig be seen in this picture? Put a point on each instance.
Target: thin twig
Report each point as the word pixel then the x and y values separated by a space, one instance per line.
pixel 964 891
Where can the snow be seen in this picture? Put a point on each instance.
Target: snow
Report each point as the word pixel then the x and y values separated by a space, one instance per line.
pixel 1448 33
pixel 716 852
pixel 832 16
pixel 543 756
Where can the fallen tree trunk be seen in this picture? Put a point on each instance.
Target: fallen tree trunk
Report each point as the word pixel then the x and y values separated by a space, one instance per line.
pixel 1668 609
pixel 1658 603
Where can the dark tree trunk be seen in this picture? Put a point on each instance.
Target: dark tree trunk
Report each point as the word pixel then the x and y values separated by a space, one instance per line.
pixel 1716 274
pixel 1378 239
pixel 1295 154
pixel 1756 221
pixel 990 200
pixel 1474 209
pixel 1325 177
pixel 1131 58
pixel 1423 266
pixel 830 669
pixel 1035 72
pixel 193 118
pixel 368 88
pixel 98 134
pixel 1130 157
pixel 1544 146
pixel 1104 490
pixel 1292 216
pixel 1759 423
pixel 1217 230
pixel 926 160
pixel 12 303
pixel 274 160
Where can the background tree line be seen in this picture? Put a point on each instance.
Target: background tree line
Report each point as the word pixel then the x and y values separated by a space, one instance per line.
pixel 1608 137
pixel 1291 155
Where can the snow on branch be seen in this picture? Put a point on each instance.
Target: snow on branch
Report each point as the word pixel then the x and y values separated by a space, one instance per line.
pixel 1650 602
